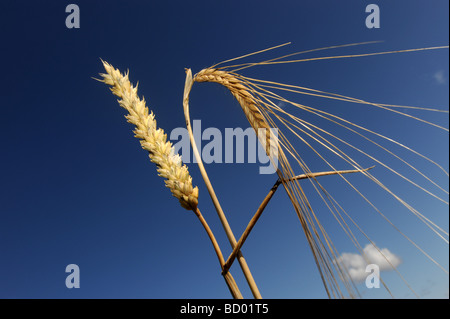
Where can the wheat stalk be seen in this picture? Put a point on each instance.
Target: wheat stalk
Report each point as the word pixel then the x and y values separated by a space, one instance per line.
pixel 152 139
pixel 162 153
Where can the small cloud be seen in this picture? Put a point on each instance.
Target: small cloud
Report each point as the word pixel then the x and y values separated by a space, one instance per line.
pixel 439 77
pixel 356 263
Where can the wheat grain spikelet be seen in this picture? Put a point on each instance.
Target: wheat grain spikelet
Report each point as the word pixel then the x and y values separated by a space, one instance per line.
pixel 152 139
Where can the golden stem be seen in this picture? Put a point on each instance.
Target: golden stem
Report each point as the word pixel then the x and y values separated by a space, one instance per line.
pixel 234 289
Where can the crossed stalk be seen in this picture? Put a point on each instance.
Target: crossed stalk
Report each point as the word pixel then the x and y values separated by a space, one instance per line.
pixel 169 165
pixel 177 177
pixel 251 95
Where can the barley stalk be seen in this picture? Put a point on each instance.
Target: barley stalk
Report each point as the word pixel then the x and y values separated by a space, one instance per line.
pixel 259 105
pixel 253 111
pixel 152 139
pixel 242 262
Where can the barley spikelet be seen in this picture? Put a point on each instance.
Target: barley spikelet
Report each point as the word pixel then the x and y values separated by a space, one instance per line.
pixel 152 139
pixel 245 98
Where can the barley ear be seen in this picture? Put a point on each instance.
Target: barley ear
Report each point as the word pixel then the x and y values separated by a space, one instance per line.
pixel 249 105
pixel 152 139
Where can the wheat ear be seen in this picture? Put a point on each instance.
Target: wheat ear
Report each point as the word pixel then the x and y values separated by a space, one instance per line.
pixel 153 139
pixel 162 154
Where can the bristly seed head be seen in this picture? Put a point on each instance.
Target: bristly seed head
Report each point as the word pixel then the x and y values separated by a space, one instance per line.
pixel 242 93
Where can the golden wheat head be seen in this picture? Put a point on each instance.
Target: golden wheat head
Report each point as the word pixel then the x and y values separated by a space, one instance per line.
pixel 152 139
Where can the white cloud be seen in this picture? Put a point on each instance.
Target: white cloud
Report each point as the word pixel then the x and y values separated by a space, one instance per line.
pixel 439 77
pixel 356 265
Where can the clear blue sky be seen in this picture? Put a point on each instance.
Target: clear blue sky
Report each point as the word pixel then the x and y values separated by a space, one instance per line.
pixel 77 188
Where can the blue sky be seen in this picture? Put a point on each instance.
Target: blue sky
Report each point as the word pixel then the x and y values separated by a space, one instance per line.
pixel 77 188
